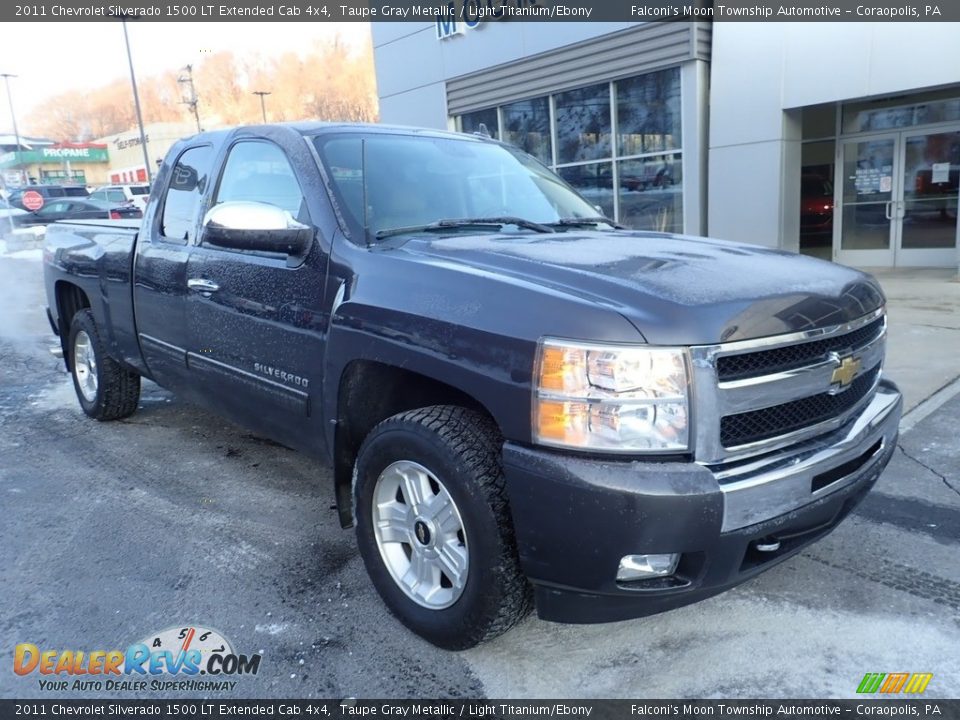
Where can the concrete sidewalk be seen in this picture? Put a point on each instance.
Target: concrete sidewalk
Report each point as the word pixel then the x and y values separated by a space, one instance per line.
pixel 923 350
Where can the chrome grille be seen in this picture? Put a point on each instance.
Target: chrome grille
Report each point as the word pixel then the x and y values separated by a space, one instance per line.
pixel 750 427
pixel 734 367
pixel 755 396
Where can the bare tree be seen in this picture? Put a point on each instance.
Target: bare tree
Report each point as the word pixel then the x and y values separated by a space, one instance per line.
pixel 329 81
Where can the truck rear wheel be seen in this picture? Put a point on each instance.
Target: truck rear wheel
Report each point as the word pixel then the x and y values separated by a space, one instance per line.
pixel 105 389
pixel 434 528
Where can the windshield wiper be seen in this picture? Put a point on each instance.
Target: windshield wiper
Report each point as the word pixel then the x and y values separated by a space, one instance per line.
pixel 459 223
pixel 585 222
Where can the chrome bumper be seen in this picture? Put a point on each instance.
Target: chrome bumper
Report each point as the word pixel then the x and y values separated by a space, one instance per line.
pixel 778 483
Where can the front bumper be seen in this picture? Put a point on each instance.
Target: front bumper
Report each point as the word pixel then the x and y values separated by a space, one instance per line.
pixel 576 517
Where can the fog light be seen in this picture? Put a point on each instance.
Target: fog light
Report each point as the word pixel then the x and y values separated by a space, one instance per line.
pixel 638 567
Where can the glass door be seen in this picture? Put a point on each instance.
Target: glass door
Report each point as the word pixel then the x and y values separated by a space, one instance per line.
pixel 926 213
pixel 867 186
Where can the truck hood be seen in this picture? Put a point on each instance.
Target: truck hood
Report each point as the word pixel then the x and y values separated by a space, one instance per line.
pixel 675 289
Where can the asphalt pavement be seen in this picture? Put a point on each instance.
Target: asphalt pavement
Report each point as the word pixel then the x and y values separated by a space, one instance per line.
pixel 112 532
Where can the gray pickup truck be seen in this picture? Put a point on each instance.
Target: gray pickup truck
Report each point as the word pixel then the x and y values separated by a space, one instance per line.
pixel 521 401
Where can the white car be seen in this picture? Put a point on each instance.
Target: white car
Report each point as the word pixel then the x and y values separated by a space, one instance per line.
pixel 135 194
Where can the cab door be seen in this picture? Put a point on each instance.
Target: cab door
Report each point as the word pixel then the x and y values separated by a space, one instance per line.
pixel 160 270
pixel 256 322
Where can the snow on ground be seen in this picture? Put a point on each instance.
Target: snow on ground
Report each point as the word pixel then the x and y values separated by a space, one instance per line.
pixel 24 244
pixel 34 254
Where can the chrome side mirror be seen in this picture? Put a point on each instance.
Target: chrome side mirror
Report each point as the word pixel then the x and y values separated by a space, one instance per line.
pixel 249 225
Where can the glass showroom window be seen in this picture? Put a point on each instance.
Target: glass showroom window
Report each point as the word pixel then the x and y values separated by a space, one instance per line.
pixel 643 146
pixel 471 122
pixel 650 191
pixel 583 124
pixel 526 124
pixel 648 113
pixel 594 181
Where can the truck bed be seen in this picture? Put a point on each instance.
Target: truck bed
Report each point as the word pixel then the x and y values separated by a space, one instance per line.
pixel 96 258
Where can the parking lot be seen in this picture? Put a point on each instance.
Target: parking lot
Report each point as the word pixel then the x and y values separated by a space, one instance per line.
pixel 113 531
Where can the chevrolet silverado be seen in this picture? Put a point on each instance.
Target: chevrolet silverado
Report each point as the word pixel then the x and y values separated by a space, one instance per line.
pixel 522 402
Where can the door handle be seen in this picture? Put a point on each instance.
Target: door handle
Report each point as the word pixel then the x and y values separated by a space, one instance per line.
pixel 886 209
pixel 202 286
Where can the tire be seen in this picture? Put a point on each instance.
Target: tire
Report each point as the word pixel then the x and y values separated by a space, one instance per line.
pixel 105 389
pixel 459 451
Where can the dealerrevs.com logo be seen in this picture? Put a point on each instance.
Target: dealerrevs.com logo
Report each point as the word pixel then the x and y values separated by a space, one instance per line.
pixel 182 653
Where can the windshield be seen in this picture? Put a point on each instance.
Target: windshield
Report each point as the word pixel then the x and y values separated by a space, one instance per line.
pixel 412 181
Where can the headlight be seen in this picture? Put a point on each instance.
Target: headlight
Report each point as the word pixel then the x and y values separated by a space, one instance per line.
pixel 615 398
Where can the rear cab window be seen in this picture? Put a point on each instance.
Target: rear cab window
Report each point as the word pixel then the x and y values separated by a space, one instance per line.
pixel 183 199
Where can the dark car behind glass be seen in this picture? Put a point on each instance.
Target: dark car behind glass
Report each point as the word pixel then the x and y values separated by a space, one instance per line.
pixel 78 209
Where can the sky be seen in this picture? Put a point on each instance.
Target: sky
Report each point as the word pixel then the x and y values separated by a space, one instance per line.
pixel 50 57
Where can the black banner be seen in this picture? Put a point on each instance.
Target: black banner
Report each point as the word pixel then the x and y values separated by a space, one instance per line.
pixel 473 709
pixel 470 12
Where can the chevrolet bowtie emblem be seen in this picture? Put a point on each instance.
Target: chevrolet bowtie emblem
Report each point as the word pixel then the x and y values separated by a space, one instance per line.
pixel 844 374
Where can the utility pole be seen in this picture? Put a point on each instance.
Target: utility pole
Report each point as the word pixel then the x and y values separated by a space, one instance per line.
pixel 136 103
pixel 263 107
pixel 13 119
pixel 191 101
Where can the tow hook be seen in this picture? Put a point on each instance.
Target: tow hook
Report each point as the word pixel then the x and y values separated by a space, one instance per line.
pixel 767 545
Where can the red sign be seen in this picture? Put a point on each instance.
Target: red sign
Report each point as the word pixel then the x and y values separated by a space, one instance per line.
pixel 32 200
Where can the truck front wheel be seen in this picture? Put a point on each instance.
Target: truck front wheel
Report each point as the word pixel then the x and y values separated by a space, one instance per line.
pixel 105 389
pixel 434 528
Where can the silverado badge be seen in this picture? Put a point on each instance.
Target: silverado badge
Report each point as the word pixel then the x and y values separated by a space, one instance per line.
pixel 846 371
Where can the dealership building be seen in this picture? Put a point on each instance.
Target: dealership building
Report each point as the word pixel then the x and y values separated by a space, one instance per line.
pixel 835 139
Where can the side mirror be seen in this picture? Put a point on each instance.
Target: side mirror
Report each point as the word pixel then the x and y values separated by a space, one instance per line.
pixel 248 225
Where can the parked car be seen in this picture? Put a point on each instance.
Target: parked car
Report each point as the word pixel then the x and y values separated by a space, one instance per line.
pixel 521 402
pixel 78 209
pixel 134 194
pixel 49 192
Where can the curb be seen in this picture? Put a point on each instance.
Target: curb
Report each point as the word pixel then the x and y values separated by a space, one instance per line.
pixel 933 403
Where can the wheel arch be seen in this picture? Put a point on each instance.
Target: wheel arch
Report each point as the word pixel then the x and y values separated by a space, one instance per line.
pixel 370 392
pixel 70 299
